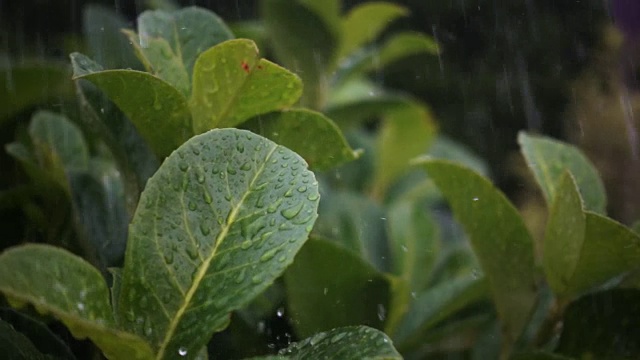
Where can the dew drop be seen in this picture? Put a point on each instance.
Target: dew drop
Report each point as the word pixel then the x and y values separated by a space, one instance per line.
pixel 289 193
pixel 183 351
pixel 200 178
pixel 168 257
pixel 282 258
pixel 313 197
pixel 195 151
pixel 183 166
pixel 245 244
pixel 245 167
pixel 241 275
pixel 256 279
pixel 192 252
pixel 231 170
pixel 204 229
pixel 207 197
pixel 302 189
pixel 192 206
pixel 292 212
pixel 240 147
pixel 269 255
pixel 337 337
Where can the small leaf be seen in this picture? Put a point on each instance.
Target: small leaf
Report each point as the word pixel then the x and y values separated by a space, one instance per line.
pixel 403 45
pixel 32 83
pixel 158 110
pixel 406 133
pixel 415 243
pixel 59 283
pixel 304 40
pixel 565 235
pixel 168 43
pixel 216 225
pixel 17 346
pixel 232 84
pixel 499 239
pixel 106 44
pixel 312 135
pixel 548 159
pixel 99 207
pixel 43 338
pixel 353 342
pixel 329 286
pixel 448 149
pixel 365 22
pixel 604 325
pixel 58 143
pixel 437 304
pixel 357 223
pixel 609 249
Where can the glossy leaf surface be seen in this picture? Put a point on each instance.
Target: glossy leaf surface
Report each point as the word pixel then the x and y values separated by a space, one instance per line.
pixel 310 134
pixel 499 239
pixel 59 283
pixel 231 84
pixel 220 220
pixel 548 159
pixel 158 110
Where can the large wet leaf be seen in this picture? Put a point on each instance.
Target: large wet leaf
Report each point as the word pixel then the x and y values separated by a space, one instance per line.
pixel 353 342
pixel 437 304
pixel 32 83
pixel 364 23
pixel 499 239
pixel 59 283
pixel 168 43
pixel 548 159
pixel 305 41
pixel 220 220
pixel 312 135
pixel 415 242
pixel 158 110
pixel 231 84
pixel 330 286
pixel 406 133
pixel 565 235
pixel 604 325
pixel 107 45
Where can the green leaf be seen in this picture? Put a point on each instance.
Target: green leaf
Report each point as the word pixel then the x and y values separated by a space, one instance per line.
pixel 415 242
pixel 43 338
pixel 329 286
pixel 312 135
pixel 59 283
pixel 437 304
pixel 365 22
pixel 604 325
pixel 609 249
pixel 99 207
pixel 218 222
pixel 168 44
pixel 106 44
pixel 448 149
pixel 232 84
pixel 406 133
pixel 353 342
pixel 548 159
pixel 357 223
pixel 565 235
pixel 158 110
pixel 58 143
pixel 358 100
pixel 403 45
pixel 32 83
pixel 305 41
pixel 17 346
pixel 499 239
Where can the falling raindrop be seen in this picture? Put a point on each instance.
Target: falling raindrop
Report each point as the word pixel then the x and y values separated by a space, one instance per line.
pixel 182 351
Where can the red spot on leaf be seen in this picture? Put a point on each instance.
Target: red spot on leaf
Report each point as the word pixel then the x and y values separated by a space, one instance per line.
pixel 245 66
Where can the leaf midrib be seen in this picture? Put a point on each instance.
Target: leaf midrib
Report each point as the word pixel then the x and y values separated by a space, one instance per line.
pixel 205 266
